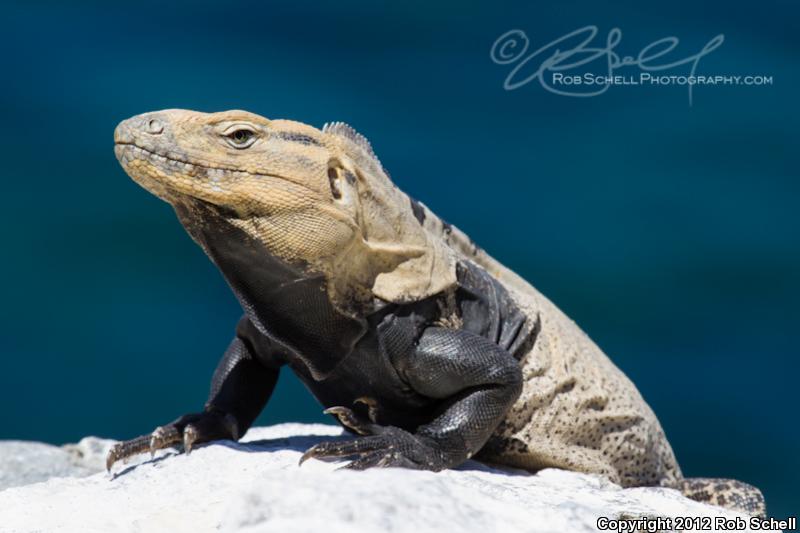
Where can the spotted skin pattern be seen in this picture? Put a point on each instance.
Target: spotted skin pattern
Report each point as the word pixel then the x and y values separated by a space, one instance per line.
pixel 422 345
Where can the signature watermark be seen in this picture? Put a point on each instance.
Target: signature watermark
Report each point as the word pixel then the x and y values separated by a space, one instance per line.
pixel 573 66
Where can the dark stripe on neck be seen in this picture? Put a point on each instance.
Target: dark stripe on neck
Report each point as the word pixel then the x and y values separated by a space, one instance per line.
pixel 301 138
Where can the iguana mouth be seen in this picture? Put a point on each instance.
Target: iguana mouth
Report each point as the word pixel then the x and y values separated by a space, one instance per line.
pixel 127 152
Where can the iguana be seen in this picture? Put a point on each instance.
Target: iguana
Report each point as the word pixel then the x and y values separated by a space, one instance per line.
pixel 413 337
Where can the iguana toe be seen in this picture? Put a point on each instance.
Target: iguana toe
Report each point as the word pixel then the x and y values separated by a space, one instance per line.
pixel 381 459
pixel 350 420
pixel 372 406
pixel 163 437
pixel 126 449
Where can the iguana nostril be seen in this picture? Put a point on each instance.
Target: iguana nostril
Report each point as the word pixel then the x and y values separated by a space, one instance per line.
pixel 155 126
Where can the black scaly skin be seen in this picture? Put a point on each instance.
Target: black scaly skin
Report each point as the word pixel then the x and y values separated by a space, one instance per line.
pixel 420 395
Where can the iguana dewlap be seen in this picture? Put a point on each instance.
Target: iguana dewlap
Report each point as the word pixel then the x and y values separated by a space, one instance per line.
pixel 412 336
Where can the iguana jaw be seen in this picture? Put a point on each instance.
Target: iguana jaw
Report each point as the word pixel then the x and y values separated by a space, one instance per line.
pixel 174 179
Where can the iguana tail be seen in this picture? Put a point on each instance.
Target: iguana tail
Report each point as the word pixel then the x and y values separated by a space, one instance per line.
pixel 728 493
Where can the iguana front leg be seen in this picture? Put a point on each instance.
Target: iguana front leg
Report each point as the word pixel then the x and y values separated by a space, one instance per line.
pixel 240 388
pixel 478 382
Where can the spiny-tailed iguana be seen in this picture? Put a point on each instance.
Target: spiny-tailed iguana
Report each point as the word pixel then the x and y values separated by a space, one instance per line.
pixel 418 341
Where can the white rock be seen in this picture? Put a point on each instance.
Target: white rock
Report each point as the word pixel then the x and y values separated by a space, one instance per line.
pixel 256 486
pixel 90 453
pixel 25 462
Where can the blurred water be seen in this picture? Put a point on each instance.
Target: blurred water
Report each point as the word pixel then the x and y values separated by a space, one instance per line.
pixel 668 232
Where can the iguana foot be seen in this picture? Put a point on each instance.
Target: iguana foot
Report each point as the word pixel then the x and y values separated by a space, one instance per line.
pixel 188 430
pixel 386 446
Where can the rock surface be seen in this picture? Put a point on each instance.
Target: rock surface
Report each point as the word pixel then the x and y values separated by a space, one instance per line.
pixel 24 462
pixel 256 486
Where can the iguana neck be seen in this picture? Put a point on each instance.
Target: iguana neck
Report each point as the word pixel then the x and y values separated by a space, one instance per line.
pixel 284 301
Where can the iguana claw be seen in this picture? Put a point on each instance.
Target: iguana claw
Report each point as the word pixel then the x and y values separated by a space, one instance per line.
pixel 189 438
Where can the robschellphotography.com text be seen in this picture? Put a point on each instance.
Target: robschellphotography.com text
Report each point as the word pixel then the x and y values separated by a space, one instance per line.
pixel 695 523
pixel 647 78
pixel 577 65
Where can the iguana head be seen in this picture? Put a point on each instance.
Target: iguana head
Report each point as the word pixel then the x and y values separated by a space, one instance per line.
pixel 314 197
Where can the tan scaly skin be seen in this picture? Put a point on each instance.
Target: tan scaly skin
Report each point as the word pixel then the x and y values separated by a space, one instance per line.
pixel 413 337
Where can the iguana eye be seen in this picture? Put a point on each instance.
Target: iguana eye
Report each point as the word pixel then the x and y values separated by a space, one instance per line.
pixel 241 137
